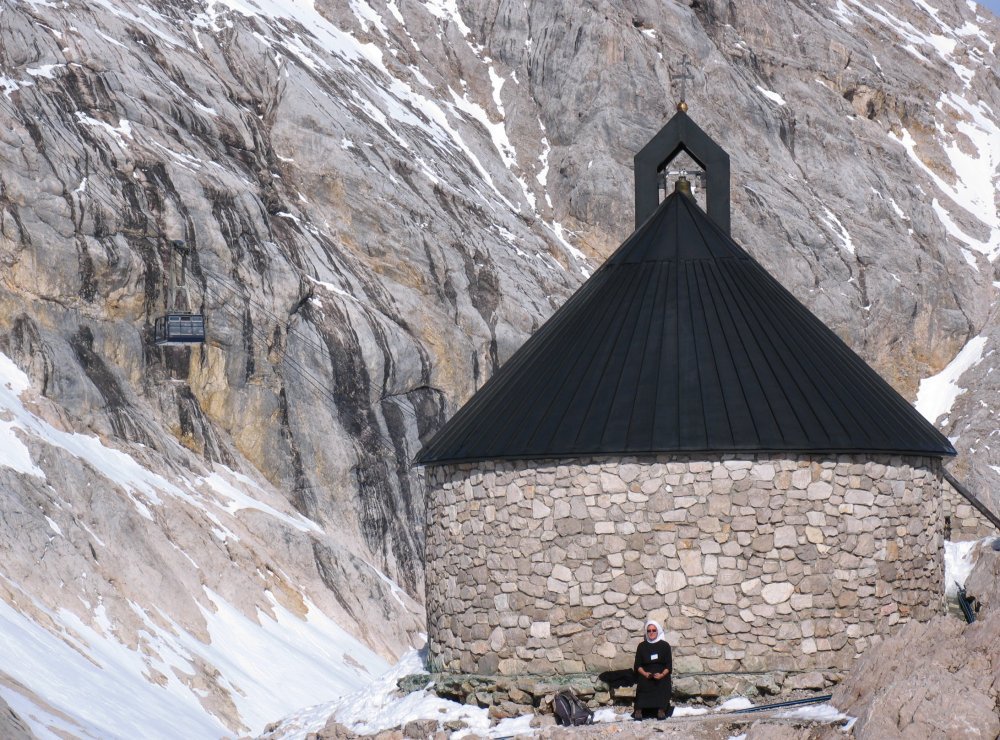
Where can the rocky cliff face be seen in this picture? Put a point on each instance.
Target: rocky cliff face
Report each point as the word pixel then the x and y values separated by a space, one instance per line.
pixel 382 200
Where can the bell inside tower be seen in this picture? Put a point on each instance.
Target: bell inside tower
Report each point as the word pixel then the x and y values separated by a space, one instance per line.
pixel 685 174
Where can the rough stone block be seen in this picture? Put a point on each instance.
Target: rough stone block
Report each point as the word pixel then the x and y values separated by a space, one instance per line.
pixel 777 593
pixel 859 497
pixel 735 625
pixel 556 586
pixel 801 601
pixel 540 630
pixel 812 681
pixel 728 577
pixel 814 535
pixel 606 650
pixel 709 524
pixel 719 504
pixel 562 573
pixel 611 483
pixel 629 472
pixel 650 487
pixel 764 611
pixel 691 562
pixel 725 595
pixel 669 581
pixel 785 536
pixel 801 478
pixel 816 518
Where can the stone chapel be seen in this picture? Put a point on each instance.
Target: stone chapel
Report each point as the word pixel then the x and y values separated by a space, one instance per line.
pixel 681 439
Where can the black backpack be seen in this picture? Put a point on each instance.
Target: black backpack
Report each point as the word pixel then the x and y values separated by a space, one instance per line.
pixel 570 709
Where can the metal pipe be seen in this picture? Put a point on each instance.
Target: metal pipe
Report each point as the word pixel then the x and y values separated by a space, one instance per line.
pixel 792 703
pixel 966 605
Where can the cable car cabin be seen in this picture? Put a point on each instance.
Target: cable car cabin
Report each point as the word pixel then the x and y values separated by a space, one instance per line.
pixel 179 328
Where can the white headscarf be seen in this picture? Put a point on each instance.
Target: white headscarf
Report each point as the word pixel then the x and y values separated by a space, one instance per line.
pixel 659 630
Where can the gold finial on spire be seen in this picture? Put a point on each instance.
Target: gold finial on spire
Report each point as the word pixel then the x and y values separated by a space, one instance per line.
pixel 681 78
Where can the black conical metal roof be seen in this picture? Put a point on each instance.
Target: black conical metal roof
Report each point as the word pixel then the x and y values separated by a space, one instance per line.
pixel 682 342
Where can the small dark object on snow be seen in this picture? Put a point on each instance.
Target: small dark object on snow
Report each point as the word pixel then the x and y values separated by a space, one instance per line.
pixel 570 710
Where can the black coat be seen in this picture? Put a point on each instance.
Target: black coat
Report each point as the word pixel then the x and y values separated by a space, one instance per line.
pixel 653 657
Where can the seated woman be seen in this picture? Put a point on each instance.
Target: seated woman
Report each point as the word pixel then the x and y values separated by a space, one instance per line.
pixel 653 664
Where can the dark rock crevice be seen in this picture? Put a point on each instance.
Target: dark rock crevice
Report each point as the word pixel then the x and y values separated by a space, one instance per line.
pixel 302 494
pixel 117 405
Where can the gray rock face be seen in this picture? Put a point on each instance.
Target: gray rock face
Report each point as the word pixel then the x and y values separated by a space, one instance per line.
pixel 384 199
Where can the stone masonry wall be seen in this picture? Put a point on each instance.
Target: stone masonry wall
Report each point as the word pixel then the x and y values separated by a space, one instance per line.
pixel 751 564
pixel 964 523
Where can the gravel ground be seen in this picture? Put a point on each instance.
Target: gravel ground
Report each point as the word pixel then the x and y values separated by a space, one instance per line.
pixel 766 725
pixel 756 726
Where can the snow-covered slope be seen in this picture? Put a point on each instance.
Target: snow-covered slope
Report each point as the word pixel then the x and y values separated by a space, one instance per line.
pixel 185 617
pixel 68 679
pixel 383 199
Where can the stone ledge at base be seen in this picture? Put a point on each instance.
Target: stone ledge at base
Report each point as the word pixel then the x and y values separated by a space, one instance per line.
pixel 510 696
